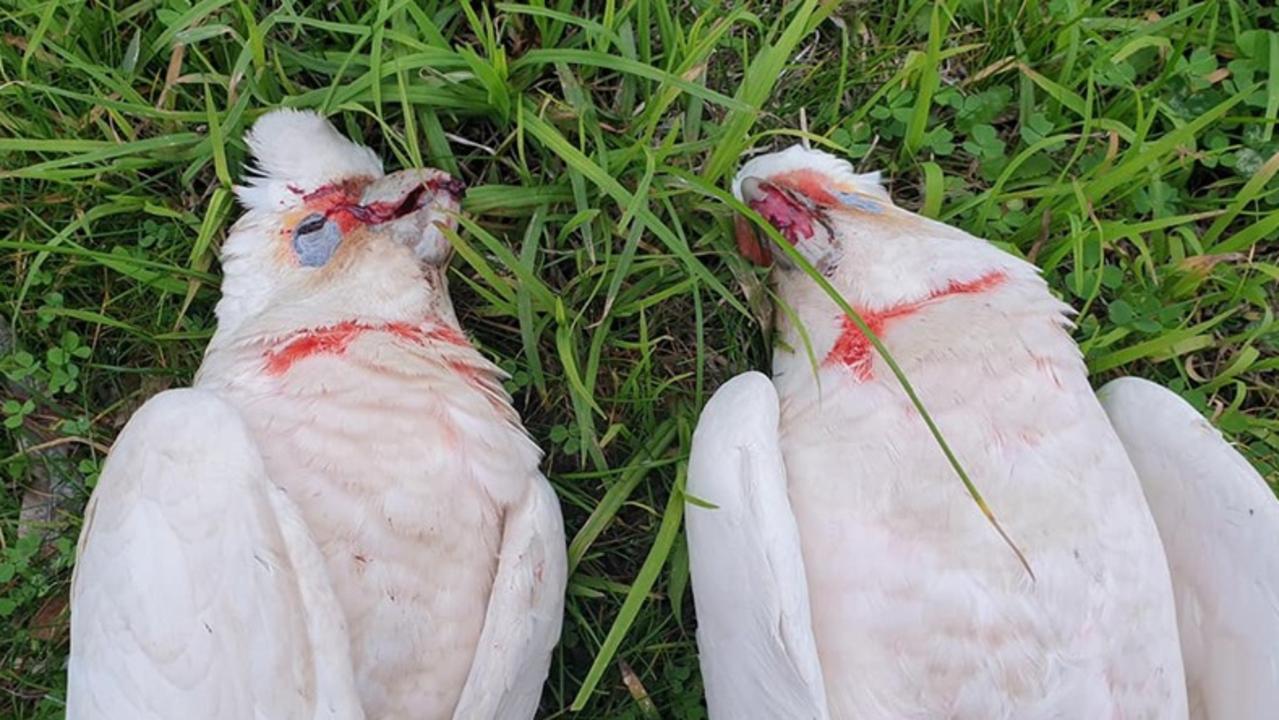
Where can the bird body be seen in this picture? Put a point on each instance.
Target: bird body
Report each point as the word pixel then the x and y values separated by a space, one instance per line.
pixel 918 610
pixel 403 473
pixel 908 582
pixel 360 406
pixel 754 625
pixel 198 591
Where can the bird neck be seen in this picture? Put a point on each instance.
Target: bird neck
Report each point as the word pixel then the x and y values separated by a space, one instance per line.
pixel 968 287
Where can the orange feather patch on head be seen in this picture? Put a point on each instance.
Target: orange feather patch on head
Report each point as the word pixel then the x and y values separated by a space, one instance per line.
pixel 340 201
pixel 333 201
pixel 812 184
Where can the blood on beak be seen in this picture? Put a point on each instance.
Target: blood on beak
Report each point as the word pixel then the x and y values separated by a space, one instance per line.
pixel 748 240
pixel 749 244
pixel 453 187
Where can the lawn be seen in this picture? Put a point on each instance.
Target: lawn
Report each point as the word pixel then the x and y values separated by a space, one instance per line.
pixel 1128 148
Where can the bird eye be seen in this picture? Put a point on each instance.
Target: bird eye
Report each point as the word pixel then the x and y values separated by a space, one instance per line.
pixel 310 224
pixel 315 239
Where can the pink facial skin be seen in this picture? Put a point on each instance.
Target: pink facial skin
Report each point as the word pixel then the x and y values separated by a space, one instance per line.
pixel 791 218
pixel 340 201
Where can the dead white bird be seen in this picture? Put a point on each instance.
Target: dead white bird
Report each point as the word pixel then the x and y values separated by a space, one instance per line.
pixel 846 572
pixel 344 517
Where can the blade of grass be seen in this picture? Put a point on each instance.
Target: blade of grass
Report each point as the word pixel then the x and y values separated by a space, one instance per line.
pixel 761 76
pixel 644 579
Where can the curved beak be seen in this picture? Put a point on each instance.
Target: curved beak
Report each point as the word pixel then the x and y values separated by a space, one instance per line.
pixel 749 243
pixel 753 190
pixel 413 208
pixel 790 212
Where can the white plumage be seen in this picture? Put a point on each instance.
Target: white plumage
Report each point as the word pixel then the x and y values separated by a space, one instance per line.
pixel 754 631
pixel 1220 527
pixel 344 519
pixel 918 610
pixel 198 591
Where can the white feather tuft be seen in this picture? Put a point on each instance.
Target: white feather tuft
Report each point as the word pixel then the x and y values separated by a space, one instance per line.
pixel 298 151
pixel 798 157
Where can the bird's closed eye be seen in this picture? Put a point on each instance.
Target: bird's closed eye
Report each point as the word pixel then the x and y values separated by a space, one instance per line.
pixel 309 224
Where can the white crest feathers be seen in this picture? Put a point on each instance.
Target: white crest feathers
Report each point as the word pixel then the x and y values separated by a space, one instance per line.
pixel 299 148
pixel 798 157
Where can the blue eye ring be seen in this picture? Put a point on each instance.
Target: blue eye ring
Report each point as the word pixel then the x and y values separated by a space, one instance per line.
pixel 859 202
pixel 315 240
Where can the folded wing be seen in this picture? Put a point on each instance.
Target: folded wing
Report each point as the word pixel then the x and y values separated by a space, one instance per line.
pixel 522 623
pixel 754 631
pixel 198 592
pixel 1219 523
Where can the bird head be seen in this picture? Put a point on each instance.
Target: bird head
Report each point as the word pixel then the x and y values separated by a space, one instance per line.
pixel 846 226
pixel 886 262
pixel 804 194
pixel 328 237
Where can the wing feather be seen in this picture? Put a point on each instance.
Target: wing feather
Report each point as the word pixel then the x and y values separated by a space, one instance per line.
pixel 1219 523
pixel 198 592
pixel 522 623
pixel 758 655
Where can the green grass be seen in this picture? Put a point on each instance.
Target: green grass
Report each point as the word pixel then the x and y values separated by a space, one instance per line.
pixel 1128 148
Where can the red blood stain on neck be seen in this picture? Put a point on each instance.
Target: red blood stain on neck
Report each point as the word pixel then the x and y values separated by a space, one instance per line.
pixel 335 339
pixel 853 349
